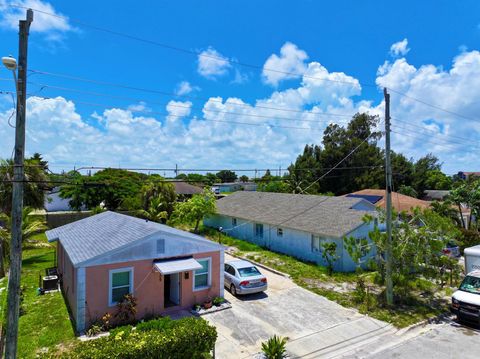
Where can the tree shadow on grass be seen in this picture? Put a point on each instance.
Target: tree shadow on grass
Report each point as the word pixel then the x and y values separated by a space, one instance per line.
pixel 38 259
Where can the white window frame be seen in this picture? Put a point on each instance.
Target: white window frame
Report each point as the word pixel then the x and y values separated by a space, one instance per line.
pixel 209 279
pixel 317 239
pixel 255 229
pixel 110 276
pixel 279 232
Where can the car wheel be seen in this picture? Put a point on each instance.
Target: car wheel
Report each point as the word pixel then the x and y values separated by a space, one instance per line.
pixel 233 290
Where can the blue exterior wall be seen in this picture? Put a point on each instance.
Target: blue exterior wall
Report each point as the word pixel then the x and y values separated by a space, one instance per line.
pixel 293 242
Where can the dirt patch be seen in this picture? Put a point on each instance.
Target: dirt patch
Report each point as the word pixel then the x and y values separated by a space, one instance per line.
pixel 336 287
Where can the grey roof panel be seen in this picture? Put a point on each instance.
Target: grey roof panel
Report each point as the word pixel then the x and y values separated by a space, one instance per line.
pixel 99 234
pixel 323 215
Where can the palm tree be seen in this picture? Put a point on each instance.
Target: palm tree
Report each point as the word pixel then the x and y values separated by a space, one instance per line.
pixel 447 209
pixel 155 211
pixel 34 186
pixel 30 227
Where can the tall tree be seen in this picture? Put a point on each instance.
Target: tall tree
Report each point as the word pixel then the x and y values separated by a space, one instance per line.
pixel 162 192
pixel 210 178
pixel 423 167
pixel 306 170
pixel 403 170
pixel 36 182
pixel 436 179
pixel 195 209
pixel 110 186
pixel 226 176
pixel 358 141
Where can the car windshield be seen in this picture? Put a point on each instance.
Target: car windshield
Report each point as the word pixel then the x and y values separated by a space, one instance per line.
pixel 248 272
pixel 471 284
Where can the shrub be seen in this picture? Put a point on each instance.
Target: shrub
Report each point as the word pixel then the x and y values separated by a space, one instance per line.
pixel 218 301
pixel 124 330
pixel 360 291
pixel 126 309
pixel 106 321
pixel 274 348
pixel 160 324
pixel 188 338
pixel 94 330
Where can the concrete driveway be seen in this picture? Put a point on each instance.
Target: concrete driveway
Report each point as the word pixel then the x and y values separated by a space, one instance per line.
pixel 315 326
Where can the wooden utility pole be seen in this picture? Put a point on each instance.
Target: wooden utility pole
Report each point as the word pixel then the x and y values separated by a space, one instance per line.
pixel 388 195
pixel 13 299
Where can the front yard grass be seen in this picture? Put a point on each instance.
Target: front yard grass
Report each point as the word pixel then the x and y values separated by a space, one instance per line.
pixel 45 321
pixel 340 287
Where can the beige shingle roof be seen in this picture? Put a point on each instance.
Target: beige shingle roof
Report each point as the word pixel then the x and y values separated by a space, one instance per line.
pixel 328 216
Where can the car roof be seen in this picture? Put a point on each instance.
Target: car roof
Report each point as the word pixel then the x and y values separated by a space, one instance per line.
pixel 239 263
pixel 475 273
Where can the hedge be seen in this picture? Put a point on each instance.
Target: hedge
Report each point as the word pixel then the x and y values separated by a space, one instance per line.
pixel 187 338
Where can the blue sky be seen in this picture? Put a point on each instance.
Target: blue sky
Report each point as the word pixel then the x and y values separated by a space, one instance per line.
pixel 426 49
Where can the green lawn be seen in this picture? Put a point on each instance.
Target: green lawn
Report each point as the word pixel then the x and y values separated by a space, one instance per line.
pixel 45 322
pixel 340 287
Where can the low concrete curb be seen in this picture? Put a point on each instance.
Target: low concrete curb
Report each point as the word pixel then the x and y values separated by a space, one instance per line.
pixel 259 265
pixel 213 309
pixel 424 322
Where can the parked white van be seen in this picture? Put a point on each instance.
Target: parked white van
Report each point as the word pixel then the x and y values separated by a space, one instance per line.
pixel 466 300
pixel 472 259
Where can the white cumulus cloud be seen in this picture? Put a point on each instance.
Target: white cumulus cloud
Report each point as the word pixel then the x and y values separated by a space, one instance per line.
pixel 289 65
pixel 212 64
pixel 399 48
pixel 233 132
pixel 185 87
pixel 52 26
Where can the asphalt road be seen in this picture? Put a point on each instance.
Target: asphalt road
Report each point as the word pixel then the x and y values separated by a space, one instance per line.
pixel 445 340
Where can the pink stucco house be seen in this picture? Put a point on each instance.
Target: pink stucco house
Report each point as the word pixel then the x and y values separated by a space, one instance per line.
pixel 103 257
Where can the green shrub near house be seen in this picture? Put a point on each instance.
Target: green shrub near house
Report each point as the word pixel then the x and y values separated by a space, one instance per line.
pixel 160 338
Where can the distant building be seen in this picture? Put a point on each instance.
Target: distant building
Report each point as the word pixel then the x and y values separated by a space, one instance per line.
pixel 400 202
pixel 219 188
pixel 465 175
pixel 435 195
pixel 185 190
pixel 55 203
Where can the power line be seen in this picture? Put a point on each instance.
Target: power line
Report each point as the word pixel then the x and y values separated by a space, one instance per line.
pixel 263 124
pixel 98 94
pixel 223 169
pixel 233 61
pixel 191 52
pixel 443 145
pixel 166 93
pixel 423 135
pixel 431 105
pixel 432 131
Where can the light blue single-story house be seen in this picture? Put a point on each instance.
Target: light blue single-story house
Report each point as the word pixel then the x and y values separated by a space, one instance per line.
pixel 296 224
pixel 226 187
pixel 233 187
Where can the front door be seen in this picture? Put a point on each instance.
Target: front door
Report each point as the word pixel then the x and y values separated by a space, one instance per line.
pixel 175 288
pixel 172 290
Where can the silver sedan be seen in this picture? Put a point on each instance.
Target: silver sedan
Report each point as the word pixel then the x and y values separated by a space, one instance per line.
pixel 242 277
